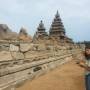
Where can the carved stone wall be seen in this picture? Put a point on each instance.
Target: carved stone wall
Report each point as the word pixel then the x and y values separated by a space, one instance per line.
pixel 22 61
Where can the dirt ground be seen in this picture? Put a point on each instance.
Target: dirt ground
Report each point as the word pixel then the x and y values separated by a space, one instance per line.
pixel 66 77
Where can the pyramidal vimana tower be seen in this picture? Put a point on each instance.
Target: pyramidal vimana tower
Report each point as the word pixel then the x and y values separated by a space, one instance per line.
pixel 57 31
pixel 57 28
pixel 40 33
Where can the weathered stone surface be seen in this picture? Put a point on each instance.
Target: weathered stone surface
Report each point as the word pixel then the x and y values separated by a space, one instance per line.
pixel 27 70
pixel 30 54
pixel 14 48
pixel 41 47
pixel 5 56
pixel 50 48
pixel 25 47
pixel 6 33
pixel 23 35
pixel 17 55
pixel 4 47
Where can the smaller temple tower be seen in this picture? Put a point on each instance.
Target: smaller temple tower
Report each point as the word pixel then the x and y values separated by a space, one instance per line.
pixel 40 33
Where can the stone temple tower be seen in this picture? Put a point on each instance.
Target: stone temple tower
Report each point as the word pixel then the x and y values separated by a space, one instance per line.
pixel 40 33
pixel 57 29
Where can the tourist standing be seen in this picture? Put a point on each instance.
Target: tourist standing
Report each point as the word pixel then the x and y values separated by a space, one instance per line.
pixel 86 64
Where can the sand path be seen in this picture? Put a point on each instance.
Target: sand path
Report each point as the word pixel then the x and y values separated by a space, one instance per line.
pixel 66 77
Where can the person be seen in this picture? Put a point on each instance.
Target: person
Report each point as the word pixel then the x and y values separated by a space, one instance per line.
pixel 86 64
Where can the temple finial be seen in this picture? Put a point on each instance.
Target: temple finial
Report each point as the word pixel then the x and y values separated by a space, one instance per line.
pixel 41 21
pixel 41 25
pixel 57 14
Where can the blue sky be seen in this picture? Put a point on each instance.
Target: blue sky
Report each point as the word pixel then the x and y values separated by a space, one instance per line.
pixel 75 15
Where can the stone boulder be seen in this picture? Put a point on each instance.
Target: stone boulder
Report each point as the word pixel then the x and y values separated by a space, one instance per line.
pixel 5 56
pixel 17 55
pixel 6 33
pixel 26 47
pixel 4 47
pixel 14 48
pixel 30 55
pixel 23 35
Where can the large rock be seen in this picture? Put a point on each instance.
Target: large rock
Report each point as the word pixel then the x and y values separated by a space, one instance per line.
pixel 30 54
pixel 41 47
pixel 4 28
pixel 17 55
pixel 23 35
pixel 5 56
pixel 25 47
pixel 23 31
pixel 4 47
pixel 6 33
pixel 14 48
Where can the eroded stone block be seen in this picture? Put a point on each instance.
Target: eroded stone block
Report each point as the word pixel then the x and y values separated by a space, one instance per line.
pixel 4 47
pixel 5 56
pixel 25 47
pixel 30 54
pixel 14 48
pixel 17 55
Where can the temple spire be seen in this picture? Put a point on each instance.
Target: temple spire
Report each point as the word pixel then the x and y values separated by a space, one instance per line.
pixel 57 14
pixel 40 33
pixel 57 29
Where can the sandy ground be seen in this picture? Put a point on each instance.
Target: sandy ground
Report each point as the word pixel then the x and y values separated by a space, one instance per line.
pixel 66 77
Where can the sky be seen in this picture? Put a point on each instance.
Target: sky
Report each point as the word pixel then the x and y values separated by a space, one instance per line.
pixel 75 15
